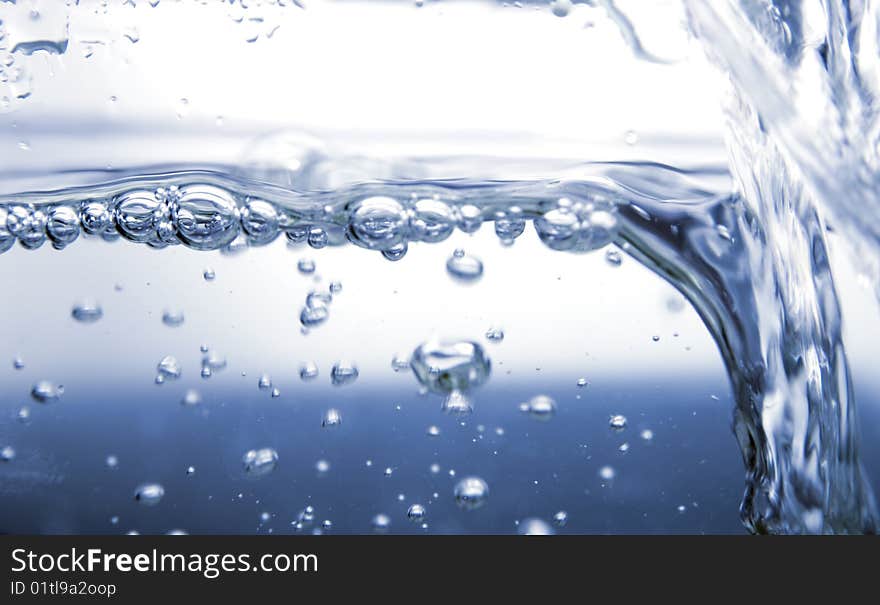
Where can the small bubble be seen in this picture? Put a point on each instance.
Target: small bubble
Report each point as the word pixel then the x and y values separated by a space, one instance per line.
pixel 607 473
pixel 87 312
pixel 416 513
pixel 631 137
pixel 265 382
pixel 190 470
pixel 332 418
pixel 647 434
pixel 561 8
pixel 534 527
pixel 495 334
pixel 655 338
pixel 434 468
pixel 191 398
pixel 343 372
pixel 322 466
pixel 560 519
pixel 335 287
pixel 381 523
pixel 149 494
pixel 681 508
pixel 541 407
pixel 388 471
pixel 276 393
pixel 399 363
pixel 7 454
pixel 306 266
pixel 260 462
pixel 45 391
pixel 433 430
pixel 617 422
pixel 464 268
pixel 308 370
pixel 613 258
pixel 471 493
pixel 169 368
pixel 173 318
pixel 209 274
pixel 24 414
pixel 582 382
pixel 18 363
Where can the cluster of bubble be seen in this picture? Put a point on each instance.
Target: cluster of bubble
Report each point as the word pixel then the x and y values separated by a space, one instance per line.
pixel 210 217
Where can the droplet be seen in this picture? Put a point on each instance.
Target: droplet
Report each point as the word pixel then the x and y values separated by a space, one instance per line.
pixel 534 527
pixel 209 274
pixel 465 268
pixel 169 368
pixel 541 407
pixel 343 372
pixel 470 218
pixel 18 363
pixel 582 382
pixel 87 312
pixel 260 462
pixel 444 367
pixel 471 493
pixel 173 318
pixel 308 370
pixel 46 392
pixel 332 418
pixel 416 513
pixel 149 494
pixel 617 422
pixel 509 225
pixel 276 393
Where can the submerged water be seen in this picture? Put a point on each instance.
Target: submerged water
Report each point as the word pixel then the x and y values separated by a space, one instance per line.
pixel 215 381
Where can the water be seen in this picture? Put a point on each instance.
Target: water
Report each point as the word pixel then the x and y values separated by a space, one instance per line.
pixel 644 294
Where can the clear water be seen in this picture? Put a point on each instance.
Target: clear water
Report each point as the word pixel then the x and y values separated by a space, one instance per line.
pixel 461 329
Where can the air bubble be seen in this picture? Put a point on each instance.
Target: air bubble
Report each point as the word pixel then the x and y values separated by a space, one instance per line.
pixel 46 392
pixel 149 494
pixel 416 513
pixel 471 493
pixel 87 312
pixel 260 462
pixel 308 370
pixel 444 367
pixel 306 266
pixel 168 367
pixel 534 527
pixel 617 422
pixel 465 268
pixel 173 318
pixel 343 372
pixel 332 418
pixel 541 407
